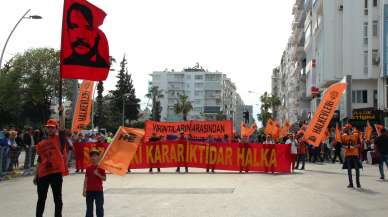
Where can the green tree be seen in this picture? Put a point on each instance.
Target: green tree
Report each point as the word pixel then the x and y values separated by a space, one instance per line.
pixel 269 103
pixel 124 94
pixel 155 95
pixel 28 85
pixel 183 106
pixel 99 110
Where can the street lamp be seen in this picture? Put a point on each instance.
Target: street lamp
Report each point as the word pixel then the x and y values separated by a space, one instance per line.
pixel 123 118
pixel 35 17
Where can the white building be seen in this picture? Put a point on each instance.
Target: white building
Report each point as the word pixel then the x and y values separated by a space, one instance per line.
pixel 289 78
pixel 343 38
pixel 212 94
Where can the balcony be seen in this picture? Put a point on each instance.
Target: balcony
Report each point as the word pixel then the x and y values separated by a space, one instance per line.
pixel 298 52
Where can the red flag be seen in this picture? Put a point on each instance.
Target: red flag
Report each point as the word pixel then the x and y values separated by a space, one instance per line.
pixel 84 49
pixel 379 127
pixel 368 131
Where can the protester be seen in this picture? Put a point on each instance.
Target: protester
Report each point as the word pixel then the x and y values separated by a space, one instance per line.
pixel 351 157
pixel 93 188
pixel 154 139
pixel 184 140
pixel 14 145
pixel 51 166
pixel 294 149
pixel 29 142
pixel 302 151
pixel 381 143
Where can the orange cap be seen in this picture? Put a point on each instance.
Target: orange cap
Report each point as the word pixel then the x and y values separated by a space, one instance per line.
pixel 52 123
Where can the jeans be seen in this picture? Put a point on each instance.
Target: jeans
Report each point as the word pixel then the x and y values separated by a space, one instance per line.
pixel 43 183
pixel 300 157
pixel 352 162
pixel 1 160
pixel 337 153
pixel 384 158
pixel 98 198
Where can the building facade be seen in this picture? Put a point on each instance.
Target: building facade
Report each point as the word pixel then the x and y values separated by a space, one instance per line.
pixel 344 38
pixel 289 78
pixel 213 95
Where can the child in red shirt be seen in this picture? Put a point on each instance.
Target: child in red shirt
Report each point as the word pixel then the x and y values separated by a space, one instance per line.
pixel 93 189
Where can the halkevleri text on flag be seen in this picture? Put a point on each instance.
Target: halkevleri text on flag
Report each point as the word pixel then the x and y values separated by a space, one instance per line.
pixel 197 129
pixel 83 108
pixel 315 132
pixel 122 150
pixel 220 156
pixel 84 47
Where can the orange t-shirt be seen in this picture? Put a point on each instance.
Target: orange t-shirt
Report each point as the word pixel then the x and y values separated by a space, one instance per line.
pixel 350 143
pixel 51 158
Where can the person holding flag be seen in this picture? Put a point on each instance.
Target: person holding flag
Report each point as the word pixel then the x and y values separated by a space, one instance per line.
pixel 51 165
pixel 337 145
pixel 352 161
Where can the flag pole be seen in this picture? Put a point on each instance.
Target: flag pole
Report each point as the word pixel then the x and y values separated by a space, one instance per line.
pixel 60 68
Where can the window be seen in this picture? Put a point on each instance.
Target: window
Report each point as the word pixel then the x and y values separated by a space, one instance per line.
pixel 198 93
pixel 359 96
pixel 366 62
pixel 375 57
pixel 366 4
pixel 374 3
pixel 375 28
pixel 366 33
pixel 198 77
pixel 188 77
pixel 198 85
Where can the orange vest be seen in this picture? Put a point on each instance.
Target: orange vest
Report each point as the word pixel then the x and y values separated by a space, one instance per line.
pixel 350 144
pixel 51 158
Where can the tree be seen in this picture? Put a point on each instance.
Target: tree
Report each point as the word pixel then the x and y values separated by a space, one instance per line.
pixel 155 95
pixel 269 103
pixel 99 110
pixel 28 87
pixel 124 94
pixel 183 106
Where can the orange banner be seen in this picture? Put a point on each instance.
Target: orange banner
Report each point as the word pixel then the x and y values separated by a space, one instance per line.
pixel 122 150
pixel 83 108
pixel 269 127
pixel 247 131
pixel 197 129
pixel 368 131
pixel 337 134
pixel 322 117
pixel 285 129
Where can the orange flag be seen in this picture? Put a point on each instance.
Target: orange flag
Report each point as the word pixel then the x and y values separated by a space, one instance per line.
pixel 121 151
pixel 337 134
pixel 368 131
pixel 83 108
pixel 247 131
pixel 379 127
pixel 285 129
pixel 276 131
pixel 269 127
pixel 322 117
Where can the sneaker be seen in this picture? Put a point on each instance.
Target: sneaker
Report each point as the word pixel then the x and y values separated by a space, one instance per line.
pixel 382 178
pixel 350 186
pixel 358 185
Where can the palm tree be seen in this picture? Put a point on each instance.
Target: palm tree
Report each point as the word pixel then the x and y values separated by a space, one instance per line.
pixel 183 106
pixel 155 94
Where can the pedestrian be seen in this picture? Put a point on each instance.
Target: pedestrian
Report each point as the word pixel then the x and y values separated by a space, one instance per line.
pixel 51 166
pixel 294 149
pixel 29 143
pixel 154 139
pixel 302 151
pixel 381 144
pixel 14 145
pixel 93 188
pixel 184 141
pixel 351 157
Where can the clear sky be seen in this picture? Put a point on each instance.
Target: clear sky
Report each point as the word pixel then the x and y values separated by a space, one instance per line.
pixel 242 38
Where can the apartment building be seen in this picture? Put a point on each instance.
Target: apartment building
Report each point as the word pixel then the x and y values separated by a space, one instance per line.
pixel 289 78
pixel 212 94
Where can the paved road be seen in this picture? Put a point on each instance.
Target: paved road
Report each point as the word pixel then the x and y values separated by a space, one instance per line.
pixel 318 192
